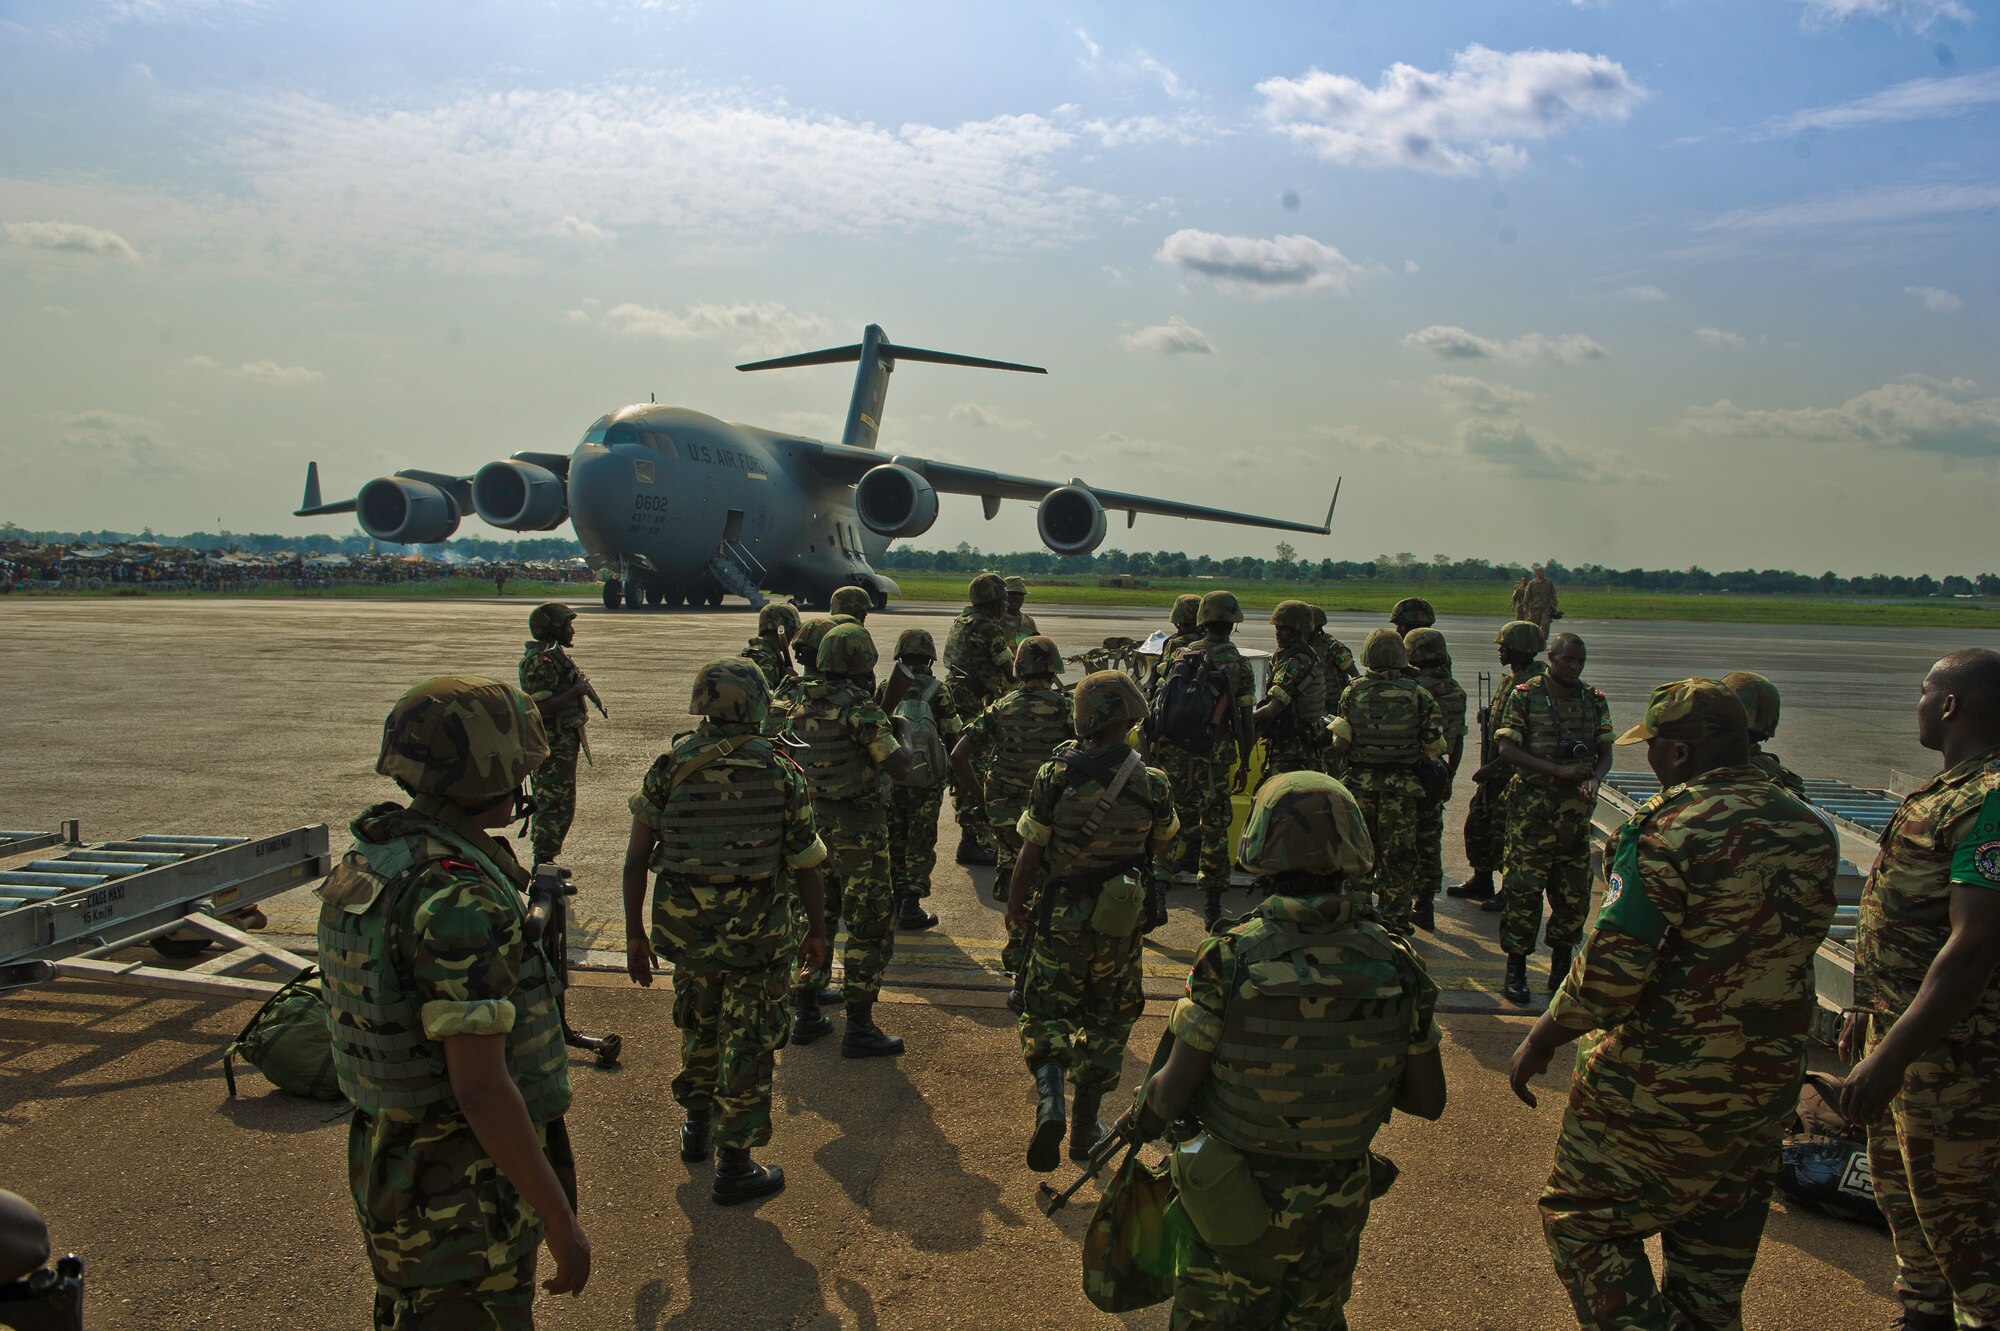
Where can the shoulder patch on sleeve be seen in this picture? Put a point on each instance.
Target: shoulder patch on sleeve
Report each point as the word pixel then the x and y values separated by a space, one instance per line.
pixel 1976 860
pixel 1626 906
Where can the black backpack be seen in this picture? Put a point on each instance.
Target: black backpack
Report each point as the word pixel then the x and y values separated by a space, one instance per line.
pixel 1824 1162
pixel 1192 702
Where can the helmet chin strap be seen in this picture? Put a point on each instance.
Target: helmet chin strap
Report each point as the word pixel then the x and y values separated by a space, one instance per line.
pixel 524 809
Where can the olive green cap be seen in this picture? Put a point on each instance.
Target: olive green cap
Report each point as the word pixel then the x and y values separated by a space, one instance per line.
pixel 1037 656
pixel 1102 698
pixel 1759 697
pixel 1220 608
pixel 853 601
pixel 1294 615
pixel 1518 635
pixel 464 737
pixel 846 650
pixel 1384 651
pixel 547 618
pixel 1413 612
pixel 1305 822
pixel 731 689
pixel 916 642
pixel 1690 710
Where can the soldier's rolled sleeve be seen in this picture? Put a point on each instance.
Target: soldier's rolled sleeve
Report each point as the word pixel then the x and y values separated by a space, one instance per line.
pixel 1510 719
pixel 1197 1014
pixel 648 802
pixel 802 845
pixel 1280 690
pixel 1037 821
pixel 869 727
pixel 1624 945
pixel 1166 822
pixel 539 677
pixel 946 708
pixel 1975 857
pixel 1341 728
pixel 466 957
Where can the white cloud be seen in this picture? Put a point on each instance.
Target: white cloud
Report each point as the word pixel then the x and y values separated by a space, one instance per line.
pixel 71 238
pixel 1410 268
pixel 1450 342
pixel 1256 264
pixel 1481 397
pixel 117 442
pixel 766 325
pixel 1936 299
pixel 1918 99
pixel 1917 14
pixel 88 22
pixel 1644 295
pixel 1092 52
pixel 270 372
pixel 1474 116
pixel 1904 203
pixel 1170 83
pixel 985 418
pixel 1175 337
pixel 1947 418
pixel 1509 449
pixel 571 227
pixel 55 311
pixel 1719 339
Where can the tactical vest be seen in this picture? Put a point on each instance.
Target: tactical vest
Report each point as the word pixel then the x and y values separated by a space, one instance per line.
pixel 1122 834
pixel 1307 708
pixel 724 821
pixel 385 1062
pixel 1552 719
pixel 574 713
pixel 1027 739
pixel 1308 1068
pixel 836 768
pixel 1387 719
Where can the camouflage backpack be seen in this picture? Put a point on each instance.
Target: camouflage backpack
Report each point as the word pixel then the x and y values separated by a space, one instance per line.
pixel 288 1041
pixel 930 763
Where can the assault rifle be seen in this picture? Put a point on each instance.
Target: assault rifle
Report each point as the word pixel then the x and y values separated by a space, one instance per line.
pixel 547 927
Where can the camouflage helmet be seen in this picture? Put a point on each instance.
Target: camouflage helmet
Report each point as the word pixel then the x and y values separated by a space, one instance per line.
pixel 1319 617
pixel 1187 608
pixel 1518 635
pixel 987 589
pixel 1219 608
pixel 1294 615
pixel 1759 697
pixel 853 601
pixel 916 642
pixel 805 647
pixel 1014 582
pixel 547 619
pixel 1384 650
pixel 464 737
pixel 1305 822
pixel 1037 656
pixel 1426 647
pixel 779 617
pixel 846 650
pixel 731 689
pixel 1102 698
pixel 1413 612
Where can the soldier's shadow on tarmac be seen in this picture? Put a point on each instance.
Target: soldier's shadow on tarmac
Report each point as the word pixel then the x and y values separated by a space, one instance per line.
pixel 723 1244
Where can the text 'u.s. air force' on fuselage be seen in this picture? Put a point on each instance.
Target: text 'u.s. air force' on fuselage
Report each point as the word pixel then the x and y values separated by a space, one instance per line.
pixel 675 507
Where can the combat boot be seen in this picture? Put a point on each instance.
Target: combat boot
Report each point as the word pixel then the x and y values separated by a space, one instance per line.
pixel 1908 1320
pixel 694 1140
pixel 738 1178
pixel 1558 965
pixel 970 851
pixel 1424 914
pixel 1156 906
pixel 1211 911
pixel 1515 987
pixel 808 1022
pixel 1085 1132
pixel 863 1038
pixel 910 916
pixel 1045 1147
pixel 1494 904
pixel 1479 887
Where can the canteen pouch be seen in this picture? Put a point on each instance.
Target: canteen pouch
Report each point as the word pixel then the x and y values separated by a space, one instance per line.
pixel 1121 904
pixel 1219 1193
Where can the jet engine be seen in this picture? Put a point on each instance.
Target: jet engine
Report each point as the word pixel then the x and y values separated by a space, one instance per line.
pixel 396 508
pixel 519 496
pixel 894 501
pixel 1070 521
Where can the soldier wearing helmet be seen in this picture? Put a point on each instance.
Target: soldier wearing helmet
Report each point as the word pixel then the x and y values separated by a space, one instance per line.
pixel 446 1032
pixel 1555 731
pixel 979 662
pixel 850 605
pixel 1019 623
pixel 1430 665
pixel 790 691
pixel 771 649
pixel 931 716
pixel 1292 716
pixel 725 824
pixel 1334 655
pixel 851 753
pixel 1003 747
pixel 1485 815
pixel 559 689
pixel 1183 631
pixel 1093 816
pixel 1759 697
pixel 1281 1010
pixel 1388 725
pixel 1412 612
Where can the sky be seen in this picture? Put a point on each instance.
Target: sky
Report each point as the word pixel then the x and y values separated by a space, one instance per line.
pixel 1634 282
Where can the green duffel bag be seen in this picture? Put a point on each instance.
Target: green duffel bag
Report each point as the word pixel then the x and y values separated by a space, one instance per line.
pixel 1219 1193
pixel 288 1041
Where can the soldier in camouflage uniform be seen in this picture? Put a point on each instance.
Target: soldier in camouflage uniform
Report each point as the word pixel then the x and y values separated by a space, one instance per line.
pixel 1182 630
pixel 1292 716
pixel 851 754
pixel 1388 723
pixel 791 691
pixel 1430 660
pixel 1759 697
pixel 1486 814
pixel 914 801
pixel 1412 612
pixel 1334 655
pixel 1095 814
pixel 777 626
pixel 979 663
pixel 1540 600
pixel 1555 731
pixel 725 822
pixel 1309 994
pixel 1009 742
pixel 559 689
pixel 849 605
pixel 1697 981
pixel 1019 623
pixel 446 1034
pixel 1927 989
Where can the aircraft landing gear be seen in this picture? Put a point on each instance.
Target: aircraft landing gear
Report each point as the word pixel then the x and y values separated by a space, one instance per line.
pixel 611 593
pixel 655 595
pixel 634 594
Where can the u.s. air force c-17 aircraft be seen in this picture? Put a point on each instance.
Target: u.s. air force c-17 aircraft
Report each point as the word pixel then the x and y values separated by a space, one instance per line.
pixel 675 507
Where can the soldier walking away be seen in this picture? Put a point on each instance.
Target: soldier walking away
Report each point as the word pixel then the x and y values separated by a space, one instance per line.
pixel 1334 655
pixel 1927 1024
pixel 1093 820
pixel 1430 659
pixel 1009 741
pixel 1555 731
pixel 851 753
pixel 1412 612
pixel 771 649
pixel 1307 1001
pixel 1020 625
pixel 725 823
pixel 1181 631
pixel 446 1032
pixel 1389 725
pixel 849 605
pixel 1698 980
pixel 1486 814
pixel 1203 709
pixel 1292 717
pixel 1540 599
pixel 978 659
pixel 931 719
pixel 559 689
pixel 1759 697
pixel 1521 598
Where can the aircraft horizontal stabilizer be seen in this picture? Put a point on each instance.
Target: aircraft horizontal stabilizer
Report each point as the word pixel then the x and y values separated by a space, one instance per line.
pixel 843 355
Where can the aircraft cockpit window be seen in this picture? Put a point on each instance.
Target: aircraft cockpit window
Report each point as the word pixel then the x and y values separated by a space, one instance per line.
pixel 622 433
pixel 595 434
pixel 660 442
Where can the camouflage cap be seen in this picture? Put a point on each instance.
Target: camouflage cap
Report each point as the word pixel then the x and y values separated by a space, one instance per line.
pixel 1413 612
pixel 1187 608
pixel 1305 822
pixel 1015 583
pixel 1759 697
pixel 986 589
pixel 916 642
pixel 1426 646
pixel 805 647
pixel 853 601
pixel 731 689
pixel 779 617
pixel 846 650
pixel 1518 635
pixel 1102 698
pixel 1037 656
pixel 547 618
pixel 464 737
pixel 1294 615
pixel 1384 650
pixel 1219 608
pixel 1690 710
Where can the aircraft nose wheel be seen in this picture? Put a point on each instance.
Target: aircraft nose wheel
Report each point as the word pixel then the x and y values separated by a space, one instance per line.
pixel 634 594
pixel 612 591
